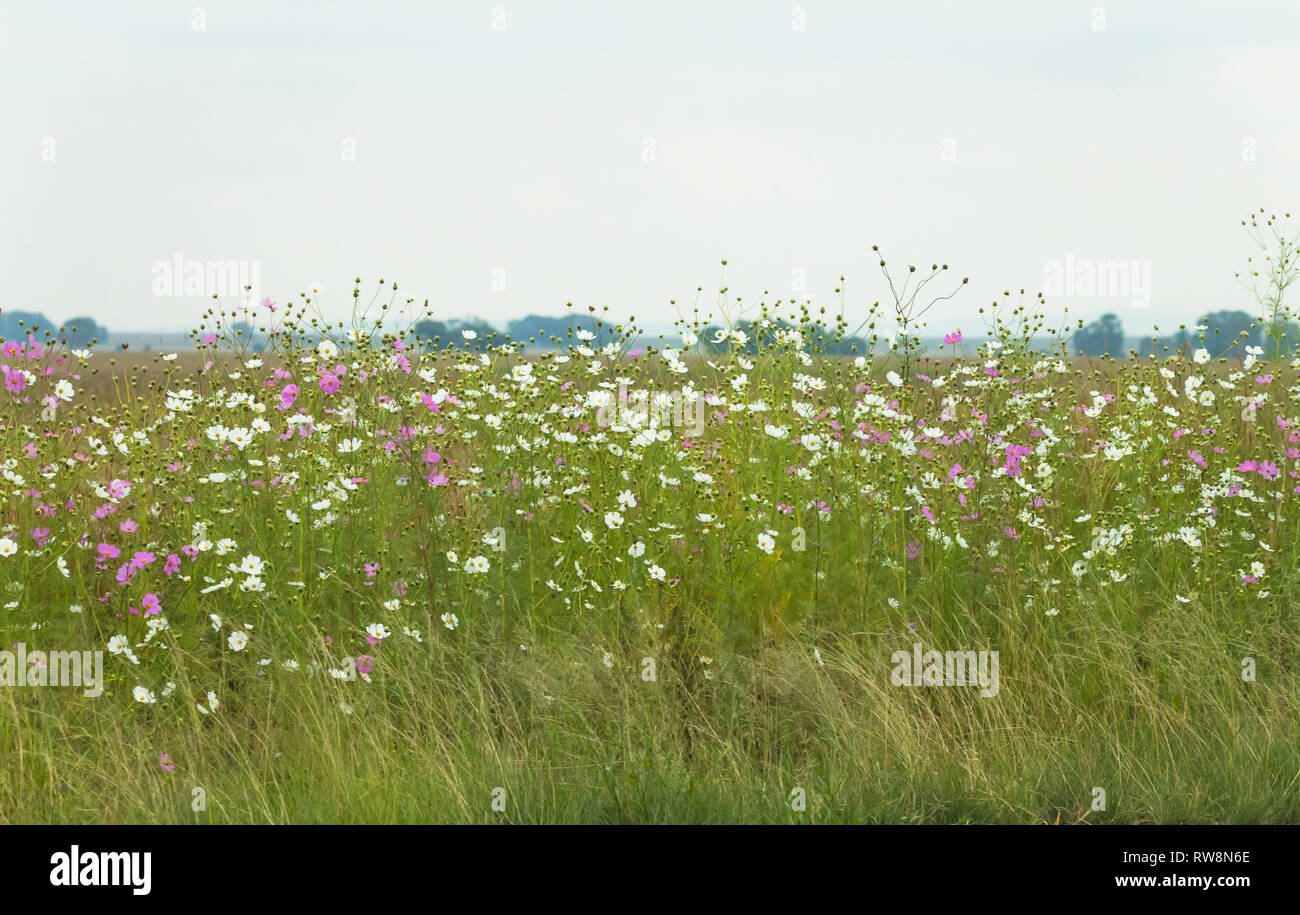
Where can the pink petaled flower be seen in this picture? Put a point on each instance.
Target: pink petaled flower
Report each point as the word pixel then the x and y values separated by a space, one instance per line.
pixel 119 489
pixel 365 663
pixel 172 565
pixel 913 549
pixel 329 383
pixel 1011 532
pixel 108 551
pixel 1264 379
pixel 371 569
pixel 15 381
pixel 142 558
pixel 287 396
pixel 151 604
pixel 209 339
pixel 127 527
pixel 436 479
pixel 431 456
pixel 954 337
pixel 1196 458
pixel 125 573
pixel 166 762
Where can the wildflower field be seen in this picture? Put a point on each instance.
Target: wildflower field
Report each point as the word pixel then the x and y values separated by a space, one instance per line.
pixel 353 575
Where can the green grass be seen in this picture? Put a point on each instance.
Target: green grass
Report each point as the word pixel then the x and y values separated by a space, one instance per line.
pixel 771 662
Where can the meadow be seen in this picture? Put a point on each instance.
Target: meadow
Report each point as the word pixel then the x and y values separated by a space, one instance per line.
pixel 353 575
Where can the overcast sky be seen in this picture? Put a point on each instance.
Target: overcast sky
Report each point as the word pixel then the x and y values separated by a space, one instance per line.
pixel 502 158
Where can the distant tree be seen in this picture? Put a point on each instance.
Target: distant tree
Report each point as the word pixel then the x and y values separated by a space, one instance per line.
pixel 444 333
pixel 10 329
pixel 1222 328
pixel 80 331
pixel 429 329
pixel 1101 337
pixel 544 330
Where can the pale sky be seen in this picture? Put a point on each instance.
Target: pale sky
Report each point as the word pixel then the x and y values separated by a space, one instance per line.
pixel 614 153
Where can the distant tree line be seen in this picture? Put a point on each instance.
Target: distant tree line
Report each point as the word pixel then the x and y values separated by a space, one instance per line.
pixel 1223 329
pixel 536 330
pixel 78 332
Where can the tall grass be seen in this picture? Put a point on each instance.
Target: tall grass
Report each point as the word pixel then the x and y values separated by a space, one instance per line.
pixel 564 621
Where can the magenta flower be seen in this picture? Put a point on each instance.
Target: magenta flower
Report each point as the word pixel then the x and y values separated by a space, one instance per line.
pixel 954 337
pixel 16 382
pixel 165 761
pixel 329 383
pixel 151 604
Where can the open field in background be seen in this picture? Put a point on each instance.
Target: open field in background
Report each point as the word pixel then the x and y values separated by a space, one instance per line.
pixel 376 584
